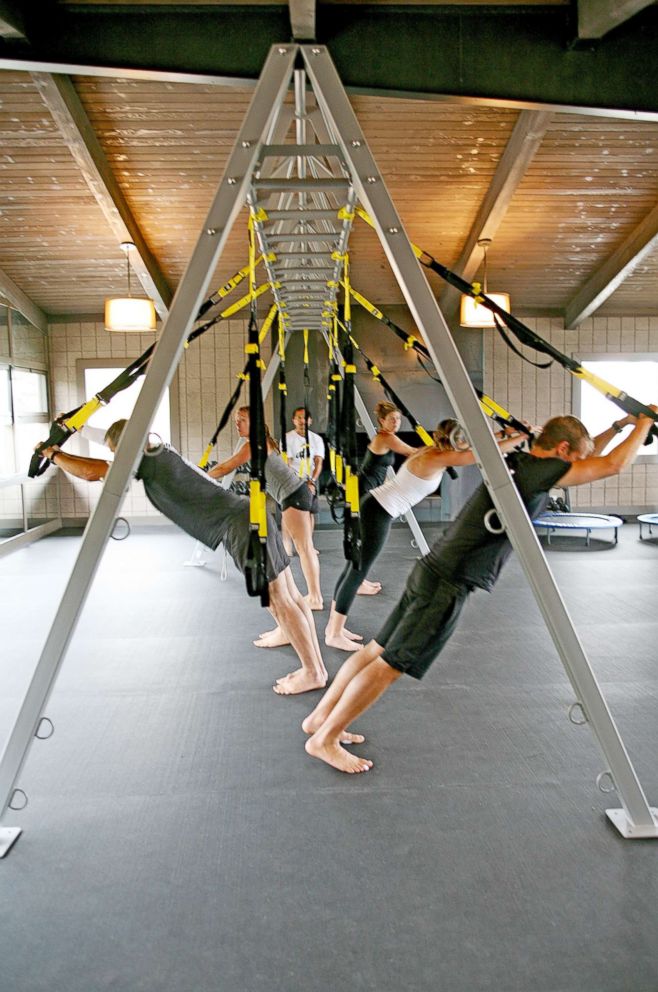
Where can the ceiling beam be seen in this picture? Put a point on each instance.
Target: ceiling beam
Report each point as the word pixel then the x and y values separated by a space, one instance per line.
pixel 521 56
pixel 597 17
pixel 525 139
pixel 63 102
pixel 17 299
pixel 302 19
pixel 614 271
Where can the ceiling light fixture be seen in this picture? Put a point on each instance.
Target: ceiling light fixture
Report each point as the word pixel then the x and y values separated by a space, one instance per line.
pixel 129 314
pixel 473 314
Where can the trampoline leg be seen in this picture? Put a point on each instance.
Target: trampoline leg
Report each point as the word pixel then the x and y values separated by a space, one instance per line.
pixel 587 533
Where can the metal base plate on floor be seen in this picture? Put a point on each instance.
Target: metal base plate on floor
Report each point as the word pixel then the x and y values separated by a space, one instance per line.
pixel 627 829
pixel 8 836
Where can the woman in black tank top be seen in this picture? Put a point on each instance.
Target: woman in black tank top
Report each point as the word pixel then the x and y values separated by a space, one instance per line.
pixel 379 456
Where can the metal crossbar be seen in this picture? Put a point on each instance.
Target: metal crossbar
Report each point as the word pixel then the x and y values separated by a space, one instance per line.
pixel 314 178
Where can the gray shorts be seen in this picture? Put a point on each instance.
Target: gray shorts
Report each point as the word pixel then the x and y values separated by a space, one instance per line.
pixel 421 623
pixel 237 545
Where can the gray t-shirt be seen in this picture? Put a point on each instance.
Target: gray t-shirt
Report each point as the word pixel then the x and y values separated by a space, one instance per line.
pixel 203 509
pixel 280 480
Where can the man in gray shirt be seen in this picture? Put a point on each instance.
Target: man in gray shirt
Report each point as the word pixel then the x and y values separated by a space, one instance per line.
pixel 202 508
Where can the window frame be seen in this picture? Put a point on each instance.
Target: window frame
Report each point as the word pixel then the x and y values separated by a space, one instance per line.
pixel 82 364
pixel 606 356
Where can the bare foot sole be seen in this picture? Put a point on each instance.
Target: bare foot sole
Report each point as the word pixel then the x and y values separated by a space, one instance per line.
pixel 272 639
pixel 337 757
pixel 343 641
pixel 314 604
pixel 296 682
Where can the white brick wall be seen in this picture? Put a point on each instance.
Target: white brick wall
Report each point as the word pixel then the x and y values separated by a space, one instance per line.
pixel 537 394
pixel 206 378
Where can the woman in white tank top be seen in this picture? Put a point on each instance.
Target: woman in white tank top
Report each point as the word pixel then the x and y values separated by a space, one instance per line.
pixel 418 477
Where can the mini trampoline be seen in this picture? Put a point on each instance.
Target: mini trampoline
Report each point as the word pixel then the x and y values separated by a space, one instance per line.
pixel 651 521
pixel 552 522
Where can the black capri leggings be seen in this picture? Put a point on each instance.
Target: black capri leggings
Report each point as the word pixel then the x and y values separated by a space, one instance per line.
pixel 375 526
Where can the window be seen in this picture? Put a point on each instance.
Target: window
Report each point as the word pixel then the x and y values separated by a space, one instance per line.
pixel 121 406
pixel 23 402
pixel 637 375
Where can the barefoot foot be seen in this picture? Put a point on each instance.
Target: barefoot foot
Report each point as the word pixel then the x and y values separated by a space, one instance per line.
pixel 314 604
pixel 297 682
pixel 310 725
pixel 369 588
pixel 272 639
pixel 343 641
pixel 336 756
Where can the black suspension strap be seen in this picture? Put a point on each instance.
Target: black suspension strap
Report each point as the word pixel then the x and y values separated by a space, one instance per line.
pixel 256 566
pixel 306 463
pixel 242 377
pixel 351 524
pixel 283 389
pixel 68 424
pixel 532 340
pixel 489 406
pixel 334 492
pixel 404 410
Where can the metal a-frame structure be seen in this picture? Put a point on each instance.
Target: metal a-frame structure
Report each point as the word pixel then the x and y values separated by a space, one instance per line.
pixel 360 179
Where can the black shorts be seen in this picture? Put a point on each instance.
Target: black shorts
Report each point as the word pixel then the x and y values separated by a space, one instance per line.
pixel 421 623
pixel 301 499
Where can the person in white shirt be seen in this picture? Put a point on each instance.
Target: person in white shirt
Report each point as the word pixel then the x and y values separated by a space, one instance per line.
pixel 307 462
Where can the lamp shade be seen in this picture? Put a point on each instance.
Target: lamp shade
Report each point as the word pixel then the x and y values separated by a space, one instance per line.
pixel 474 314
pixel 130 313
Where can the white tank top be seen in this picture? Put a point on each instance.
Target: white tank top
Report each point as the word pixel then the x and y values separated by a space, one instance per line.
pixel 398 494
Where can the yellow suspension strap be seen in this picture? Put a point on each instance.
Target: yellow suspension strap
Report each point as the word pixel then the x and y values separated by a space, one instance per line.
pixel 283 388
pixel 351 524
pixel 256 565
pixel 229 286
pixel 490 407
pixel 242 377
pixel 532 340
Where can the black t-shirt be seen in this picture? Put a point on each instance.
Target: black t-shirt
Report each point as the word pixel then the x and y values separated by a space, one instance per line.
pixel 468 554
pixel 194 501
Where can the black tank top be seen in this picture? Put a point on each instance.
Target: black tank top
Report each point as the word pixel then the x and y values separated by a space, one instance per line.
pixel 372 472
pixel 468 554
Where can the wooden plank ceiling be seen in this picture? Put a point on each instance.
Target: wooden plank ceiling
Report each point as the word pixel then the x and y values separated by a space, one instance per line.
pixel 586 190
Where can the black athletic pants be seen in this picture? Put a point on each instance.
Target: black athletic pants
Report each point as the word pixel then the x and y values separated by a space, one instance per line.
pixel 375 526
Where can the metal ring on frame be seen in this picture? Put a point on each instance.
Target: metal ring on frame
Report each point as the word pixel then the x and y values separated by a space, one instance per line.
pixel 44 737
pixel 17 792
pixel 120 536
pixel 600 779
pixel 489 526
pixel 573 710
pixel 414 543
pixel 153 447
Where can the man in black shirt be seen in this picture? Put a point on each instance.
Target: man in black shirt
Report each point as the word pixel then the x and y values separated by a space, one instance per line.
pixel 467 557
pixel 211 514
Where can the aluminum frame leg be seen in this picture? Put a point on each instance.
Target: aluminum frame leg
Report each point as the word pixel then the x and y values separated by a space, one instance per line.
pixel 229 198
pixel 636 819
